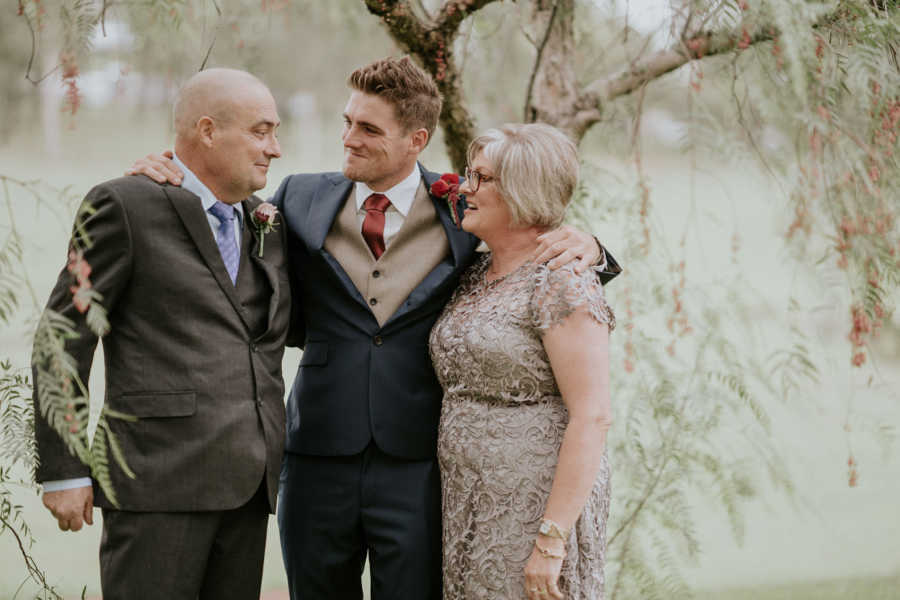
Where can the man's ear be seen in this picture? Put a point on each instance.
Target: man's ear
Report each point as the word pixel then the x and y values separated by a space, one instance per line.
pixel 206 127
pixel 418 140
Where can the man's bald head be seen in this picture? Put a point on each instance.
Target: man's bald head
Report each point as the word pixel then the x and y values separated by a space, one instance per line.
pixel 226 122
pixel 215 93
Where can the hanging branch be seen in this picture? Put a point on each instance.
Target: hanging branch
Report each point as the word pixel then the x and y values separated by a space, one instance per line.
pixel 33 54
pixel 529 112
pixel 215 34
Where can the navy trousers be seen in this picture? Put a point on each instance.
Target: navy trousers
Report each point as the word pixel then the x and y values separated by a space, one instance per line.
pixel 334 510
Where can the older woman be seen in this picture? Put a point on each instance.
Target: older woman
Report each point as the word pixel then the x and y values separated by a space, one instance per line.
pixel 522 354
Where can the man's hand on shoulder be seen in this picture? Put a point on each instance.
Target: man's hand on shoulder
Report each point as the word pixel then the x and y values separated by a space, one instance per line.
pixel 565 245
pixel 72 507
pixel 158 167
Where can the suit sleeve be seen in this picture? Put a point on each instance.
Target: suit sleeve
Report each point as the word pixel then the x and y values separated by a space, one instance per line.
pixel 607 268
pixel 105 240
pixel 297 330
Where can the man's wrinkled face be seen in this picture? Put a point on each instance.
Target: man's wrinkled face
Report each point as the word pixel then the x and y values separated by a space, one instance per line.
pixel 377 149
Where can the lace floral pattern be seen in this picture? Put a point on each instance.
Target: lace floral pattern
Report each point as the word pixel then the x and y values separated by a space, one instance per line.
pixel 502 424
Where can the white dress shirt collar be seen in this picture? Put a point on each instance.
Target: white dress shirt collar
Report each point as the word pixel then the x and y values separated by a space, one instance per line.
pixel 401 195
pixel 192 183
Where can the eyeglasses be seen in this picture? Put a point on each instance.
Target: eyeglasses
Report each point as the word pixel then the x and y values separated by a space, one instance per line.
pixel 475 179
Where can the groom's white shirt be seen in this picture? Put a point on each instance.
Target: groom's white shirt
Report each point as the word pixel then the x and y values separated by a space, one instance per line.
pixel 191 183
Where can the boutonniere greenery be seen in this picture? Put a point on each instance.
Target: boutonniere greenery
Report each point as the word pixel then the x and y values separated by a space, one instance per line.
pixel 447 188
pixel 264 219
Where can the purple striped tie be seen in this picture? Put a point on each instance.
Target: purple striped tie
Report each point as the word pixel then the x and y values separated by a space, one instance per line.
pixel 225 237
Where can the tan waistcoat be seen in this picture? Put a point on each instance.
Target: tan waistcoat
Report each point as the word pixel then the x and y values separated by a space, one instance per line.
pixel 419 246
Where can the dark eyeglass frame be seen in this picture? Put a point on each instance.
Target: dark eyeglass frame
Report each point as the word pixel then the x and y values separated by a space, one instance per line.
pixel 475 178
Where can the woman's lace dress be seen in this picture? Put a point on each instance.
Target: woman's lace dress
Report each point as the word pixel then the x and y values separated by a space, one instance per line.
pixel 502 424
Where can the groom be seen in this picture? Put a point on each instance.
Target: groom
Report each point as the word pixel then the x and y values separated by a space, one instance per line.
pixel 198 316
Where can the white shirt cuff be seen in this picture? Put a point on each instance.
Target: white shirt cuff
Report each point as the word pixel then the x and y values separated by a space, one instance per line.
pixel 66 484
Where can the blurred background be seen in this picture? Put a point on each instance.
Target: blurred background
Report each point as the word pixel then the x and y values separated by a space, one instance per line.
pixel 751 459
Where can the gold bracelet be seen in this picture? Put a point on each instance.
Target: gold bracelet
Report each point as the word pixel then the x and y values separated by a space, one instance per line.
pixel 546 552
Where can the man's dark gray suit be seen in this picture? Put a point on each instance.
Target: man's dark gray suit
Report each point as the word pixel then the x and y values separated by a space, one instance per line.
pixel 362 416
pixel 197 359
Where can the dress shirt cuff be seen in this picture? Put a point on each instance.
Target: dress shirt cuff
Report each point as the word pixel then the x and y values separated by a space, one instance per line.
pixel 59 485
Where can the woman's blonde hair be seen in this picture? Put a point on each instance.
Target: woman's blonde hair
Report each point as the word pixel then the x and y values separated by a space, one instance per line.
pixel 536 166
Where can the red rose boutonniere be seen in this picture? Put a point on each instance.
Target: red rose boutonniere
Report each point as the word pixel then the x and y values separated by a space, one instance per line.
pixel 264 220
pixel 447 188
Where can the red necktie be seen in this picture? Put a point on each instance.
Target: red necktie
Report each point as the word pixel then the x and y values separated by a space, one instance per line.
pixel 373 225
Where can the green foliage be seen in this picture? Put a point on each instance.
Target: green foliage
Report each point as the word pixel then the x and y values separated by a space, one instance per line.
pixel 62 397
pixel 10 257
pixel 691 429
pixel 79 20
pixel 17 446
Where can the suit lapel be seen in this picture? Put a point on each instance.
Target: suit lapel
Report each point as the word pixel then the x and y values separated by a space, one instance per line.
pixel 323 211
pixel 324 208
pixel 190 210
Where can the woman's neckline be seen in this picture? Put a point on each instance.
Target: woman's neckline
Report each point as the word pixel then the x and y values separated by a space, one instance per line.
pixel 489 260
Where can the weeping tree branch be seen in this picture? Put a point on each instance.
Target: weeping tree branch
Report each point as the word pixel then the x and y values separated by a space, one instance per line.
pixel 659 63
pixel 554 95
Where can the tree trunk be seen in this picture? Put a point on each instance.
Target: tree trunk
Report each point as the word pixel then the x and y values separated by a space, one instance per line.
pixel 553 94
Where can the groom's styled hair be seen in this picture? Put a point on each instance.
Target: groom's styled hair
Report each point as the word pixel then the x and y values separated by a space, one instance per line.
pixel 408 88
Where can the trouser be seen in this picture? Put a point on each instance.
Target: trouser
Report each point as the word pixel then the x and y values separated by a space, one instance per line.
pixel 333 510
pixel 185 555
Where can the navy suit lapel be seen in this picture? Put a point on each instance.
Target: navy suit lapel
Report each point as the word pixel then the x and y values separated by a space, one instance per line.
pixel 323 210
pixel 190 210
pixel 326 204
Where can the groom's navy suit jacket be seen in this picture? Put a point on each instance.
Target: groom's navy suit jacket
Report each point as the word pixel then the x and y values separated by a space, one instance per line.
pixel 358 381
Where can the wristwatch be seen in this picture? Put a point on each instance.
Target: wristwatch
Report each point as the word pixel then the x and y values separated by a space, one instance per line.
pixel 549 528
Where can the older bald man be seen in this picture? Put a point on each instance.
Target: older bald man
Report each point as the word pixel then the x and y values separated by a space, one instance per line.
pixel 198 317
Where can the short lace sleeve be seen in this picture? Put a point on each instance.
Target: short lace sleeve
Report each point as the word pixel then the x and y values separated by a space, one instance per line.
pixel 560 293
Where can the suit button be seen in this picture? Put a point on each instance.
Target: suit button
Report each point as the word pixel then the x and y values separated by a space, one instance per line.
pixel 377 340
pixel 376 274
pixel 259 400
pixel 253 348
pixel 373 301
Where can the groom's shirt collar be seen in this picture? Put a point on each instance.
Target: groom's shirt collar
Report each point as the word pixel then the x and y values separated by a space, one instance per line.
pixel 401 195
